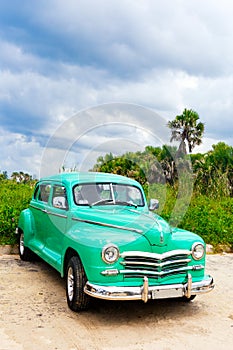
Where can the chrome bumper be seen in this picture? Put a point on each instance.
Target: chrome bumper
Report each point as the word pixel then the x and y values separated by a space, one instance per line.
pixel 146 292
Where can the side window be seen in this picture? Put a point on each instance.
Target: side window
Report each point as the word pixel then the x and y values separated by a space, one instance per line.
pixel 43 192
pixel 37 189
pixel 59 197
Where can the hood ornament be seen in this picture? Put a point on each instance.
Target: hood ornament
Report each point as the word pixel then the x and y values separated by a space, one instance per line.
pixel 161 236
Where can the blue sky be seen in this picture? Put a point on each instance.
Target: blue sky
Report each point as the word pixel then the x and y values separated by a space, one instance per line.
pixel 60 59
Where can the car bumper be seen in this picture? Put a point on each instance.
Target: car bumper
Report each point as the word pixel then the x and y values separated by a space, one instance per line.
pixel 146 292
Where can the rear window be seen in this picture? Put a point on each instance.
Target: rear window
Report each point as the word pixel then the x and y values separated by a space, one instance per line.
pixel 42 192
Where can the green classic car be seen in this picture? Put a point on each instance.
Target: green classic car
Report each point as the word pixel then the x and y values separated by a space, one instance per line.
pixel 97 230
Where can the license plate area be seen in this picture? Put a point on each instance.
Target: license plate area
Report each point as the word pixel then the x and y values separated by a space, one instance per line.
pixel 166 293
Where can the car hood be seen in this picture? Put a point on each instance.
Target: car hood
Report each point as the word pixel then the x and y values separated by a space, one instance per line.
pixel 155 229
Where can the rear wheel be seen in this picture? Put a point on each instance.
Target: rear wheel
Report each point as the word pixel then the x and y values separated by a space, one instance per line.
pixel 76 279
pixel 25 253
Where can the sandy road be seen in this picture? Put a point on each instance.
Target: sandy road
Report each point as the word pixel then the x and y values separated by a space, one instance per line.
pixel 34 314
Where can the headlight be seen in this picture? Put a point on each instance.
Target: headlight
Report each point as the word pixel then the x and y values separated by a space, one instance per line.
pixel 198 251
pixel 110 253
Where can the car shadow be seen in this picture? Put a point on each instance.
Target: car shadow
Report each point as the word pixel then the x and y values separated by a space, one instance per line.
pixel 118 312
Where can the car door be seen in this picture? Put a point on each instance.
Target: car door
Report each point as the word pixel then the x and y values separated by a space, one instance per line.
pixel 57 213
pixel 39 208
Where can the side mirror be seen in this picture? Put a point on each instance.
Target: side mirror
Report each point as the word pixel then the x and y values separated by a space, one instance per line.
pixel 153 204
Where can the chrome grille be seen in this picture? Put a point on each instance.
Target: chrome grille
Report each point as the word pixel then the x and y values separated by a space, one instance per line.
pixel 152 265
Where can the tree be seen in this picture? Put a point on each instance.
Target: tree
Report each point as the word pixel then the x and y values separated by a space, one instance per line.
pixel 185 128
pixel 21 177
pixel 214 171
pixel 222 156
pixel 153 165
pixel 3 175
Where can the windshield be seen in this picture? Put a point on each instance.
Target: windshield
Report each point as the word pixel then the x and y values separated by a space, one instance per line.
pixel 108 194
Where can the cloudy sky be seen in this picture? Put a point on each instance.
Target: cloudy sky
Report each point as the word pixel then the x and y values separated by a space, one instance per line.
pixel 79 78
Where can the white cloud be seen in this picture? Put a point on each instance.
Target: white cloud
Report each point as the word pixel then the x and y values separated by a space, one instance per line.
pixel 49 102
pixel 161 55
pixel 212 99
pixel 13 57
pixel 116 128
pixel 130 37
pixel 19 154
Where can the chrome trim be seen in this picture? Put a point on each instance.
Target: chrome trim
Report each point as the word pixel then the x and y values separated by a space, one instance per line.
pixel 155 273
pixel 152 273
pixel 162 256
pixel 194 246
pixel 145 289
pixel 146 292
pixel 154 265
pixel 205 287
pixel 188 292
pixel 56 214
pixel 35 207
pixel 115 272
pixel 49 212
pixel 170 262
pixel 109 245
pixel 107 225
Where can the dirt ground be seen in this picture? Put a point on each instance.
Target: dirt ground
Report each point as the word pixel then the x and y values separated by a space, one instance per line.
pixel 34 314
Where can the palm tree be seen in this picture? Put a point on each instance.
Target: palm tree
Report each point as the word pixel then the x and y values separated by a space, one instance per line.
pixel 15 176
pixel 21 177
pixel 186 129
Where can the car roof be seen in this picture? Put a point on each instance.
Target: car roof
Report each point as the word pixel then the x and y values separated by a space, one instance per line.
pixel 89 177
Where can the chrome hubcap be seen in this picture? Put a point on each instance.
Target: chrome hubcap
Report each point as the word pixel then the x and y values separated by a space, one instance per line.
pixel 70 283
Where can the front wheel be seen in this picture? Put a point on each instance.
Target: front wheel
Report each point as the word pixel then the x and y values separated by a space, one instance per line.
pixel 25 253
pixel 187 300
pixel 76 279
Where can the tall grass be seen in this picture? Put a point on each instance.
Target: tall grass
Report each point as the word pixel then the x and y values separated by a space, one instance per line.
pixel 209 216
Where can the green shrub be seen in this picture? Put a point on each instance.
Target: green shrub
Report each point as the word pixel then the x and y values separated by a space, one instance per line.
pixel 14 197
pixel 211 218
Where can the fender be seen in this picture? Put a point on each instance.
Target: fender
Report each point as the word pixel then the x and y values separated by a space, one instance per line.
pixel 26 224
pixel 87 240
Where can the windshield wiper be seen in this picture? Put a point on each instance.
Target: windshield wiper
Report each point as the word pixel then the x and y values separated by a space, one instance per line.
pixel 110 201
pixel 130 204
pixel 103 201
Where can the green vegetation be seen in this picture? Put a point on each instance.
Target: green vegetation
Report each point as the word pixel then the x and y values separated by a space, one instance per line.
pixel 211 219
pixel 14 197
pixel 207 216
pixel 166 173
pixel 209 211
